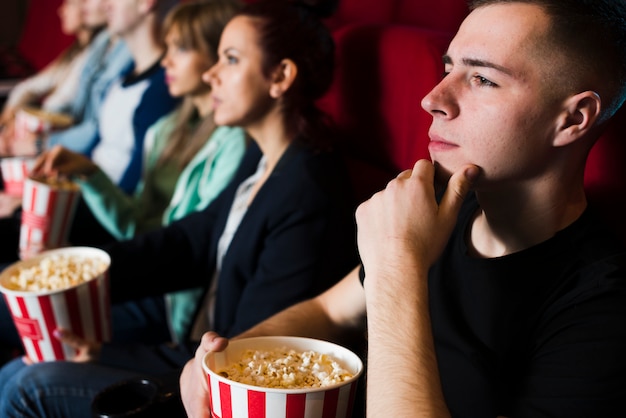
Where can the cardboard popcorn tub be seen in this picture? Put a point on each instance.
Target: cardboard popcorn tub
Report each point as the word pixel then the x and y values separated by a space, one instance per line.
pixel 282 377
pixel 15 170
pixel 39 122
pixel 48 208
pixel 64 288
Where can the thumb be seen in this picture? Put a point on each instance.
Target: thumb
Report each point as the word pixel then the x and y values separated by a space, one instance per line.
pixel 459 186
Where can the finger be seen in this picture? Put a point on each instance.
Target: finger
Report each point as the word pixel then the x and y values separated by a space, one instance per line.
pixel 212 341
pixel 404 174
pixel 53 158
pixel 423 167
pixel 458 187
pixel 38 166
pixel 69 338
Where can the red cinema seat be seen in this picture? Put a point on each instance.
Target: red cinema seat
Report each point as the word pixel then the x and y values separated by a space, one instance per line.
pixel 605 174
pixel 442 15
pixel 42 40
pixel 361 11
pixel 382 73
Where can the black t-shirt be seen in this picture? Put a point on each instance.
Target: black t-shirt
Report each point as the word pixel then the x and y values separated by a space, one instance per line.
pixel 541 332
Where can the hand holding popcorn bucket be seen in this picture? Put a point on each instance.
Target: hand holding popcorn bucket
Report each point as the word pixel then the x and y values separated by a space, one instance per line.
pixel 65 288
pixel 48 208
pixel 282 377
pixel 38 122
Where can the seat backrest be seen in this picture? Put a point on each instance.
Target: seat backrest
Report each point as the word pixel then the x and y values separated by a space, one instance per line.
pixel 382 73
pixel 605 174
pixel 442 15
pixel 42 40
pixel 361 11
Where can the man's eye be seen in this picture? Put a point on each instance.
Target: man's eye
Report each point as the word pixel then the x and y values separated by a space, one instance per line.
pixel 482 81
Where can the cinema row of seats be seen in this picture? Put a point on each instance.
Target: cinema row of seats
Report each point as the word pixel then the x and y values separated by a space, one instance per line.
pixel 388 58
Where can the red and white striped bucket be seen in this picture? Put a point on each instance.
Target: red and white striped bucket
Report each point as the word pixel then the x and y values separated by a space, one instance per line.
pixel 83 309
pixel 230 399
pixel 39 122
pixel 14 171
pixel 47 215
pixel 27 122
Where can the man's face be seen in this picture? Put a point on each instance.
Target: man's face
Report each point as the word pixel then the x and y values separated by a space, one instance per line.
pixel 124 15
pixel 94 13
pixel 495 107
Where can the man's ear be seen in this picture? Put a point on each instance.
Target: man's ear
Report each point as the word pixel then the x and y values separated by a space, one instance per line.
pixel 578 116
pixel 283 77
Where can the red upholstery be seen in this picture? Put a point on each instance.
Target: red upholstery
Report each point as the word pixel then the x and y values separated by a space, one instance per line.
pixel 42 39
pixel 361 11
pixel 605 174
pixel 383 71
pixel 443 15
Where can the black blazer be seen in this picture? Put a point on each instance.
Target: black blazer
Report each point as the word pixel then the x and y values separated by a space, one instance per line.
pixel 296 240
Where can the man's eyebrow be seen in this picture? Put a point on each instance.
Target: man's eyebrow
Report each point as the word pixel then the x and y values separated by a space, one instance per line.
pixel 474 62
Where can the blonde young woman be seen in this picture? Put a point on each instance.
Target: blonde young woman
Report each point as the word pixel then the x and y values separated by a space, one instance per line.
pixel 188 160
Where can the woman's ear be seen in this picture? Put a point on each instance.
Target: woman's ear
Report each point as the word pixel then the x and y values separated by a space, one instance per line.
pixel 578 117
pixel 283 77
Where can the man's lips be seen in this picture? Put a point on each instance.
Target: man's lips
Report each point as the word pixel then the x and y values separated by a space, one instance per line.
pixel 438 143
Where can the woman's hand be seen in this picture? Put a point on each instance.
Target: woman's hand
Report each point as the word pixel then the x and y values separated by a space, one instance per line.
pixel 193 384
pixel 60 161
pixel 85 350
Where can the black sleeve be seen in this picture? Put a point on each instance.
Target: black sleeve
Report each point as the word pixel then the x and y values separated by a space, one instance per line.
pixel 168 259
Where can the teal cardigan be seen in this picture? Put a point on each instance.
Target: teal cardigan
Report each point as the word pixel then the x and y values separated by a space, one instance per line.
pixel 165 193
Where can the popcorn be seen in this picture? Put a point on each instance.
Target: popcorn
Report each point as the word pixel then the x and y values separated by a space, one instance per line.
pixel 57 182
pixel 56 272
pixel 286 369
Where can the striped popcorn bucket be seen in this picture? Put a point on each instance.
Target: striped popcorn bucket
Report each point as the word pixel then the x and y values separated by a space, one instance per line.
pixel 230 399
pixel 14 171
pixel 83 309
pixel 47 214
pixel 39 122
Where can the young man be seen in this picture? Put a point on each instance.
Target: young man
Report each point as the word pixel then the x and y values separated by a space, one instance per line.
pixel 131 104
pixel 510 300
pixel 138 98
pixel 108 59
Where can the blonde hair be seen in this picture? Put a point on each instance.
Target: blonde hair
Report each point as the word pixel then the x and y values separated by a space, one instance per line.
pixel 199 25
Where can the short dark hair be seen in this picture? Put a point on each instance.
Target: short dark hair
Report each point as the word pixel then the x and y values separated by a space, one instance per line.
pixel 593 34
